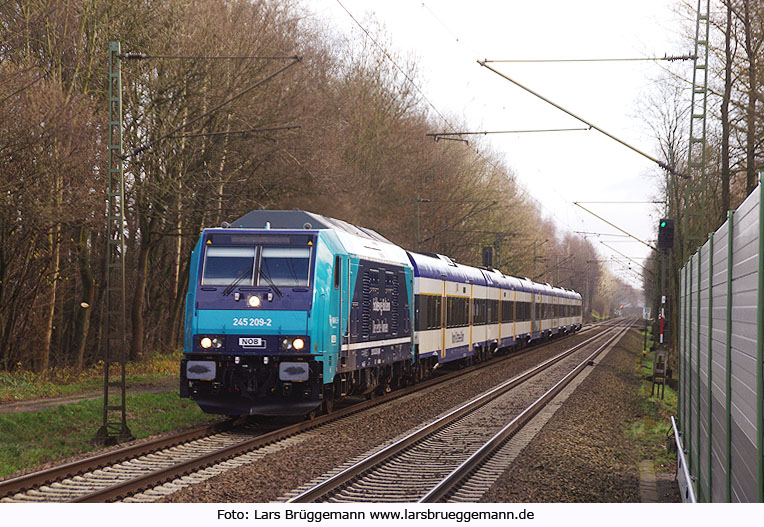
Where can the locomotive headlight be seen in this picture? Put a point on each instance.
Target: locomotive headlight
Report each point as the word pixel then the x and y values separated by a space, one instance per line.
pixel 211 342
pixel 292 343
pixel 253 301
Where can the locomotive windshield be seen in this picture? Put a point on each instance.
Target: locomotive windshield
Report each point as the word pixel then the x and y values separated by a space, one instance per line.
pixel 224 265
pixel 285 266
pixel 240 266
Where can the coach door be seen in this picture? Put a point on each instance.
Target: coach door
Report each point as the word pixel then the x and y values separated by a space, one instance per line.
pixel 443 322
pixel 535 318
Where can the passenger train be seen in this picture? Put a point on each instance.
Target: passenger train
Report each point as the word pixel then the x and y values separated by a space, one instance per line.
pixel 288 310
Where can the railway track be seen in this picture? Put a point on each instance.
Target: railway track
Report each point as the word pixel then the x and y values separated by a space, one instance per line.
pixel 187 458
pixel 439 459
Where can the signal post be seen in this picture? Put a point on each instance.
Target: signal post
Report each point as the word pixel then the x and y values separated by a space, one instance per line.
pixel 665 243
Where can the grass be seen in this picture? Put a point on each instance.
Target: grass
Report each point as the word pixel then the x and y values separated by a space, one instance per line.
pixel 22 385
pixel 652 430
pixel 31 439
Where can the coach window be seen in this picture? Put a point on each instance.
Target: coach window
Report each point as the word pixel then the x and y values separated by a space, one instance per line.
pixel 493 311
pixel 458 312
pixel 428 312
pixel 436 311
pixel 506 311
pixel 477 312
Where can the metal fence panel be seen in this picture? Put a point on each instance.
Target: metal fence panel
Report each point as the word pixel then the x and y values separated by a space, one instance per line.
pixel 718 474
pixel 683 365
pixel 743 339
pixel 704 431
pixel 693 370
pixel 721 393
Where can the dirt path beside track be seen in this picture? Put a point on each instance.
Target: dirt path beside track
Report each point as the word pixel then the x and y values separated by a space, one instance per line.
pixel 33 405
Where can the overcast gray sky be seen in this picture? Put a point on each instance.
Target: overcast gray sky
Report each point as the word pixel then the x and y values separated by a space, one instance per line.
pixel 449 37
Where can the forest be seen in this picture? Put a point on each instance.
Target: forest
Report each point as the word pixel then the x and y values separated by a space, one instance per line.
pixel 320 121
pixel 698 198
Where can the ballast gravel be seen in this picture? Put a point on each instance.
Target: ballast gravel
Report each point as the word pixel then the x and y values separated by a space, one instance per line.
pixel 273 476
pixel 582 454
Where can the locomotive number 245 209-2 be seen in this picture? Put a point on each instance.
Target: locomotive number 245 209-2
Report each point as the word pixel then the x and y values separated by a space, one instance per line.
pixel 257 322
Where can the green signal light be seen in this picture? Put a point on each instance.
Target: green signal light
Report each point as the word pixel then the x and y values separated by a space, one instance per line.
pixel 663 224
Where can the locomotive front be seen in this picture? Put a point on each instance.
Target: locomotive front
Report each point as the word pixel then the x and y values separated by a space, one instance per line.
pixel 248 348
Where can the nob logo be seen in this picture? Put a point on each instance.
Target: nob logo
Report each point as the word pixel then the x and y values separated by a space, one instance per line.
pixel 251 342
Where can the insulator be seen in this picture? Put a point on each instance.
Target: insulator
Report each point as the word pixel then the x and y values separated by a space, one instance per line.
pixel 136 56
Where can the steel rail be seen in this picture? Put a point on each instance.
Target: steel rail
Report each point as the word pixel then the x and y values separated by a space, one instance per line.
pixel 453 480
pixel 336 481
pixel 38 478
pixel 161 476
pixel 41 477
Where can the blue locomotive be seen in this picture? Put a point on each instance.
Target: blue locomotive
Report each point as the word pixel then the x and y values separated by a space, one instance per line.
pixel 287 311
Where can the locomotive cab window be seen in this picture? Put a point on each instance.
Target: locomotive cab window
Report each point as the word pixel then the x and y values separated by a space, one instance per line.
pixel 285 266
pixel 337 271
pixel 226 265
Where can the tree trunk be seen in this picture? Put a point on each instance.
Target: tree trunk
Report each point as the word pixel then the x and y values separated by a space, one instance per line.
pixel 750 135
pixel 177 311
pixel 725 116
pixel 139 298
pixel 221 172
pixel 85 309
pixel 55 263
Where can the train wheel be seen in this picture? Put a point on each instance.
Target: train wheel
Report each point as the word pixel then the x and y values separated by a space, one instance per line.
pixel 327 406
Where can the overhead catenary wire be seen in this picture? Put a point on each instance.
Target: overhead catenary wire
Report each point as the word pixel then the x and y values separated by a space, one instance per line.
pixel 598 234
pixel 614 225
pixel 148 145
pixel 387 55
pixel 669 58
pixel 235 132
pixel 521 187
pixel 145 56
pixel 446 135
pixel 611 136
pixel 624 202
pixel 627 257
pixel 474 52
